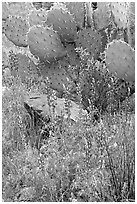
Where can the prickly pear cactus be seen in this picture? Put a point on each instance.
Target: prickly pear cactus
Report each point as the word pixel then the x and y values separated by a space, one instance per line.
pixel 16 8
pixel 56 76
pixel 78 10
pixel 16 30
pixel 119 11
pixel 72 58
pixel 102 15
pixel 71 62
pixel 37 17
pixel 131 24
pixel 45 43
pixel 5 10
pixel 26 67
pixel 90 40
pixel 52 32
pixel 120 59
pixel 63 22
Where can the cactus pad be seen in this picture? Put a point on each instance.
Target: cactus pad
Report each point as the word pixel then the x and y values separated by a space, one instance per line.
pixel 78 10
pixel 120 59
pixel 26 67
pixel 16 30
pixel 5 10
pixel 45 43
pixel 119 10
pixel 56 76
pixel 37 17
pixel 19 8
pixel 63 22
pixel 72 57
pixel 71 63
pixel 90 40
pixel 102 15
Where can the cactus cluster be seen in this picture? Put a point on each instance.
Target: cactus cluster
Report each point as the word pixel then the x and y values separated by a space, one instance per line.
pixel 54 32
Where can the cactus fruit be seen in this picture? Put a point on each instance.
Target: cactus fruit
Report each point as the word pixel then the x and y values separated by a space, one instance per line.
pixel 16 30
pixel 45 43
pixel 37 17
pixel 62 22
pixel 119 11
pixel 120 59
pixel 78 10
pixel 102 15
pixel 57 76
pixel 90 40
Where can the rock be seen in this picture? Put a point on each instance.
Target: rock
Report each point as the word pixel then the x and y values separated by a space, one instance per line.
pixel 41 116
pixel 39 103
